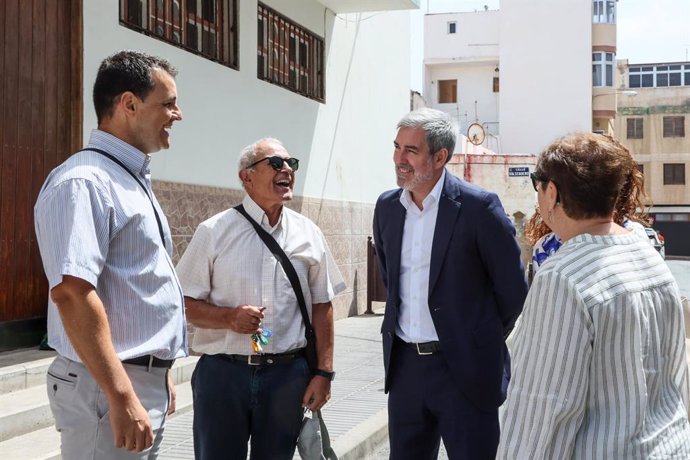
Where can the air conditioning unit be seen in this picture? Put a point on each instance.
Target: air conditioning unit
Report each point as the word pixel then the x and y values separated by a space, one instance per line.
pixel 599 131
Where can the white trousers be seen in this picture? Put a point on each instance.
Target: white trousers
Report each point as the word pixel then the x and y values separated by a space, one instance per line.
pixel 82 414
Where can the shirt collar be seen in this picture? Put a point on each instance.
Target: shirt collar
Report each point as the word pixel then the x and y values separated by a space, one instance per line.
pixel 258 214
pixel 134 159
pixel 433 197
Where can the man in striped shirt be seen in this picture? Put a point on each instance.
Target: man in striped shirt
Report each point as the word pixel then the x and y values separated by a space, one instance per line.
pixel 115 314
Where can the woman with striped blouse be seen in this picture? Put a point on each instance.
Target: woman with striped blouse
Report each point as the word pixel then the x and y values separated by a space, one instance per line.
pixel 599 353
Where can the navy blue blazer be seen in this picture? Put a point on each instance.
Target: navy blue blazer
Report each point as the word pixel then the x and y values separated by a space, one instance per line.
pixel 476 285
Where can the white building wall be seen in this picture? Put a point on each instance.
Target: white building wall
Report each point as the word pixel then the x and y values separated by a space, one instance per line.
pixel 469 56
pixel 344 145
pixel 545 70
pixel 477 36
pixel 475 84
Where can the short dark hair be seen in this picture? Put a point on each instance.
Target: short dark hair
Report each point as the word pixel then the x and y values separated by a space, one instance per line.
pixel 125 71
pixel 595 175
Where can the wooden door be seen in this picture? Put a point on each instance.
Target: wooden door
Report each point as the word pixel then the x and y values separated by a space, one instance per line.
pixel 40 126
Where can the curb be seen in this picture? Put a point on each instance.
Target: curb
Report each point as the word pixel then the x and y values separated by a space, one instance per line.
pixel 363 439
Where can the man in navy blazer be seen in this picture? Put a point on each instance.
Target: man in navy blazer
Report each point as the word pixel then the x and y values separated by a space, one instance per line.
pixel 455 285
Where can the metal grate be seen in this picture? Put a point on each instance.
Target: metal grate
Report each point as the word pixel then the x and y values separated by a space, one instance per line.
pixel 289 55
pixel 204 27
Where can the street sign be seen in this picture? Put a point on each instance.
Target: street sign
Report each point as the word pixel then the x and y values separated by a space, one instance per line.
pixel 518 172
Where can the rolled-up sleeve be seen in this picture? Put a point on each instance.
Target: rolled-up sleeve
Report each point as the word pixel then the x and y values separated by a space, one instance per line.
pixel 195 268
pixel 325 279
pixel 73 224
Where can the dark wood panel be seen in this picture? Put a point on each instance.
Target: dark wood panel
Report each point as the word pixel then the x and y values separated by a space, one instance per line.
pixel 22 211
pixel 40 126
pixel 9 159
pixel 51 113
pixel 39 285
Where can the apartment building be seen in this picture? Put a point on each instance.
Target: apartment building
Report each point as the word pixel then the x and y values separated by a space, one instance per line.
pixel 529 72
pixel 654 126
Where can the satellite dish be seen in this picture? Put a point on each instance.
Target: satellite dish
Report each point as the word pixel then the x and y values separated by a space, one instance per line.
pixel 475 133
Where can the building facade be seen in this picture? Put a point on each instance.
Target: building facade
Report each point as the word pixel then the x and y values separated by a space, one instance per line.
pixel 529 72
pixel 308 73
pixel 654 126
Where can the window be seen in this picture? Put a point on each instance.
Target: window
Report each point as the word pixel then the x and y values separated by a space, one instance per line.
pixel 289 55
pixel 204 27
pixel 452 26
pixel 602 69
pixel 674 126
pixel 661 76
pixel 604 11
pixel 674 174
pixel 640 167
pixel 634 128
pixel 496 84
pixel 447 91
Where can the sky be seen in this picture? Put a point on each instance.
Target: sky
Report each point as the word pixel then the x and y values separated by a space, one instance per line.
pixel 649 31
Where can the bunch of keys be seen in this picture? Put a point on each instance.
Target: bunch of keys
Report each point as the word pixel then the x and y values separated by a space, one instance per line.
pixel 261 338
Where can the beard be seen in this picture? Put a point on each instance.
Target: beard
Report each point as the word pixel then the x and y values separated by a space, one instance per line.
pixel 410 183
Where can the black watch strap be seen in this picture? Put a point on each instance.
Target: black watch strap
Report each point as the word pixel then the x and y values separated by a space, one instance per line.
pixel 329 375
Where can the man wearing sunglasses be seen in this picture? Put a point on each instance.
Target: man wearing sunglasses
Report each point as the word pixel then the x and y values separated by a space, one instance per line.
pixel 253 380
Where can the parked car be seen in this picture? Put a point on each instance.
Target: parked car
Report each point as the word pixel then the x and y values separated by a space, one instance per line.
pixel 656 239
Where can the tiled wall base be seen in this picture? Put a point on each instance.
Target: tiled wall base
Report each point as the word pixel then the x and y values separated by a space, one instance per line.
pixel 346 226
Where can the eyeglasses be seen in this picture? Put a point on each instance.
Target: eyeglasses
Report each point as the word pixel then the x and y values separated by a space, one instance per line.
pixel 536 178
pixel 277 163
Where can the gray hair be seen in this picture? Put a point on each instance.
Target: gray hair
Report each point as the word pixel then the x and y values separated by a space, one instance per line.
pixel 440 129
pixel 250 152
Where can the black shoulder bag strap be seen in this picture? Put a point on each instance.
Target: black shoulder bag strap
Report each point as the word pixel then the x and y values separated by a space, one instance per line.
pixel 119 163
pixel 289 269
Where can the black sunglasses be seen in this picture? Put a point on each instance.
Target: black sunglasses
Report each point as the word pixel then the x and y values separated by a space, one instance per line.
pixel 277 163
pixel 536 178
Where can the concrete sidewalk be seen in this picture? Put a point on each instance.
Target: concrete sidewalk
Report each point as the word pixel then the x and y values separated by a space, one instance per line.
pixel 356 414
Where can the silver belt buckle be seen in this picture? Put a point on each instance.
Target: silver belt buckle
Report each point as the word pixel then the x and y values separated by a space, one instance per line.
pixel 251 362
pixel 419 352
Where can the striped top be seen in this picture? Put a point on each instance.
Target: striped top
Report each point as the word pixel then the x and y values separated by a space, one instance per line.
pixel 95 222
pixel 227 264
pixel 599 358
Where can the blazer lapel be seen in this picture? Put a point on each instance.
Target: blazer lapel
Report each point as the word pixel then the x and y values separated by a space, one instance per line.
pixel 448 210
pixel 397 223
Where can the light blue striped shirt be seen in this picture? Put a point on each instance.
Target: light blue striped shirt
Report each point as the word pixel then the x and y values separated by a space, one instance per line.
pixel 599 364
pixel 95 222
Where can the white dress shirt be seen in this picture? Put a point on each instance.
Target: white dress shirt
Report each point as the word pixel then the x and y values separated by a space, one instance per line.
pixel 414 319
pixel 227 264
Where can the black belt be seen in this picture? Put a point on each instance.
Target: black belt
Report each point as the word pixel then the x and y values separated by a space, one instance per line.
pixel 425 348
pixel 150 361
pixel 264 359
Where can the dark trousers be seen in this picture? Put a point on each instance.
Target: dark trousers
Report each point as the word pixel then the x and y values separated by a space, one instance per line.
pixel 234 402
pixel 425 405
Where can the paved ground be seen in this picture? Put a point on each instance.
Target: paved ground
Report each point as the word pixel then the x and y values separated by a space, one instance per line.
pixel 681 271
pixel 383 453
pixel 357 391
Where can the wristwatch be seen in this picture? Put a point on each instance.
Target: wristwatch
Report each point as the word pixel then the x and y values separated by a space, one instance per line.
pixel 329 375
